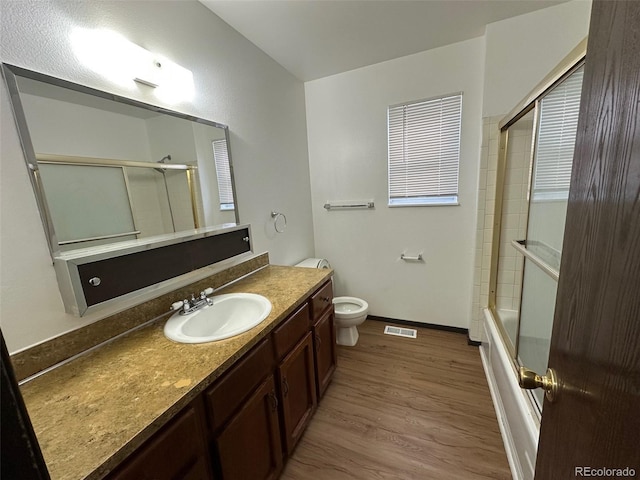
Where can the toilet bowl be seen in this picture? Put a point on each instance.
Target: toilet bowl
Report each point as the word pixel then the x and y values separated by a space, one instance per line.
pixel 349 313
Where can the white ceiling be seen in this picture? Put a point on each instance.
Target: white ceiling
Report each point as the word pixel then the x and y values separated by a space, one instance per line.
pixel 317 38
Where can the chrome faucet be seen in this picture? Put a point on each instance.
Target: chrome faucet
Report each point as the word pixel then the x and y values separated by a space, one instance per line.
pixel 188 306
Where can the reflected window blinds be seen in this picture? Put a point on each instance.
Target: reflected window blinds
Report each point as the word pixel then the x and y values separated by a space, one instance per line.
pixel 424 151
pixel 223 174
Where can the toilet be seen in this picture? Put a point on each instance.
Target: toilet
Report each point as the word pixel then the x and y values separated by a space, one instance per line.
pixel 349 311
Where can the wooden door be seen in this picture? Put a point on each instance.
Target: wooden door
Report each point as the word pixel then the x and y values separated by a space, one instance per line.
pixel 21 454
pixel 324 343
pixel 298 391
pixel 595 420
pixel 250 447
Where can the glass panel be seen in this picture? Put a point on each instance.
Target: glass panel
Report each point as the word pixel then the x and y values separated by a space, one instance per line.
pixel 87 202
pixel 538 305
pixel 553 161
pixel 552 168
pixel 514 223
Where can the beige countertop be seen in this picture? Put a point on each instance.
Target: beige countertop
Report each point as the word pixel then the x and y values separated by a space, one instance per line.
pixel 92 412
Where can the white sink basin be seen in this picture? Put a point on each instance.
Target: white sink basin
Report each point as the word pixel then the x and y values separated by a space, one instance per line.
pixel 230 315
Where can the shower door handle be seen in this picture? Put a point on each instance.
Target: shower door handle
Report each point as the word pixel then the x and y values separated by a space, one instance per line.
pixel 530 380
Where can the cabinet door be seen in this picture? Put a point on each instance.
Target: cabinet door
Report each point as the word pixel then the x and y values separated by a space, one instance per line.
pixel 177 452
pixel 324 342
pixel 297 390
pixel 249 447
pixel 231 391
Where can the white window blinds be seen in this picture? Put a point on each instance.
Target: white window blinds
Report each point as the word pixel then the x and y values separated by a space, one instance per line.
pixel 223 173
pixel 424 151
pixel 557 130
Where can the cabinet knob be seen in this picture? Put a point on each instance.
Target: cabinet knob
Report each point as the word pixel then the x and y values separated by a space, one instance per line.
pixel 326 299
pixel 285 387
pixel 95 281
pixel 318 340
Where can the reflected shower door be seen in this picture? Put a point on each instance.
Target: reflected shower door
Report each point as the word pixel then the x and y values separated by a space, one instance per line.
pixel 87 202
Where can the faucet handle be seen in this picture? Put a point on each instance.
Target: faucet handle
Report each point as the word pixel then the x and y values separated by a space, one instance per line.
pixel 208 291
pixel 176 305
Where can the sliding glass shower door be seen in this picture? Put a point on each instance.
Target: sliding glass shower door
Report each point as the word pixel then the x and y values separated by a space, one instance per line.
pixel 534 248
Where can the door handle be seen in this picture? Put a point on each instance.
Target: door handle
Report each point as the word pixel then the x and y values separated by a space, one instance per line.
pixel 530 380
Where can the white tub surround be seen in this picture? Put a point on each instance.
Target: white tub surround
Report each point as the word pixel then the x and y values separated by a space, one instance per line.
pixel 518 419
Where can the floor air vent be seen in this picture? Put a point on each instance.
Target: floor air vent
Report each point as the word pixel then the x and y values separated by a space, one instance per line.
pixel 401 332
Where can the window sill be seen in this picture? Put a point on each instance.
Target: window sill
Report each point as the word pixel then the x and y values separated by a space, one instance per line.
pixel 425 202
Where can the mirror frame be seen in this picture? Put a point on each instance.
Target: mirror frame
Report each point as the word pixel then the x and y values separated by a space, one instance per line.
pixel 9 73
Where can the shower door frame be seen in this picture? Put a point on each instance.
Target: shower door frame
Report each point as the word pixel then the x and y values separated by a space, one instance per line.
pixel 574 60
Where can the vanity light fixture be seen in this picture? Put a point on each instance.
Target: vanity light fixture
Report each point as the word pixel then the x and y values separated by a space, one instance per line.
pixel 150 73
pixel 121 61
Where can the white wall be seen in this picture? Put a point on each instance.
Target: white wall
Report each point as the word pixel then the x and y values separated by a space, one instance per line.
pixel 235 84
pixel 173 136
pixel 522 50
pixel 347 122
pixel 64 128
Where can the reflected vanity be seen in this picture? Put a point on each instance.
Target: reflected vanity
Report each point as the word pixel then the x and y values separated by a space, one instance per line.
pixel 115 177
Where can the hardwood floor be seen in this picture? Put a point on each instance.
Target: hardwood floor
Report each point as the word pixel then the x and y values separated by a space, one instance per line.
pixel 401 408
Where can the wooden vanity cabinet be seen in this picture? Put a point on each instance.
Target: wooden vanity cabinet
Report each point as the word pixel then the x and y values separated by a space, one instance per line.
pixel 296 374
pixel 322 300
pixel 177 452
pixel 245 425
pixel 324 345
pixel 249 447
pixel 227 395
pixel 324 337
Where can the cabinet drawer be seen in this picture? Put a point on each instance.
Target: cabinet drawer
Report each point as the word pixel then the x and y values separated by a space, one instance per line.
pixel 228 393
pixel 322 300
pixel 291 331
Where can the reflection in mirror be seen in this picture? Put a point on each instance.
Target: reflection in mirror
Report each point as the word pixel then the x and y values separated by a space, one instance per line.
pixel 110 169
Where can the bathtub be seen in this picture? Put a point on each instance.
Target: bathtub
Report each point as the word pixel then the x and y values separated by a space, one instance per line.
pixel 509 322
pixel 517 417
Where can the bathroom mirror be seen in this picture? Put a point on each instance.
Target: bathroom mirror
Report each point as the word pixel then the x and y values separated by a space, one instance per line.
pixel 107 169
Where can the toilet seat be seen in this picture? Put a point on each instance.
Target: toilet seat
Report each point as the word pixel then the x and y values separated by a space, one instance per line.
pixel 349 307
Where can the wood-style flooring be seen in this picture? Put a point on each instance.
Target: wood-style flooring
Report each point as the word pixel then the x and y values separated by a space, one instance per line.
pixel 401 408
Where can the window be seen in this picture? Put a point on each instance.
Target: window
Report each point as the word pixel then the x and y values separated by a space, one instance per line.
pixel 424 151
pixel 557 130
pixel 223 173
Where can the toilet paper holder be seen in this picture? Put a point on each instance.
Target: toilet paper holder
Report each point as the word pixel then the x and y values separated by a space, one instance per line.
pixel 406 258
